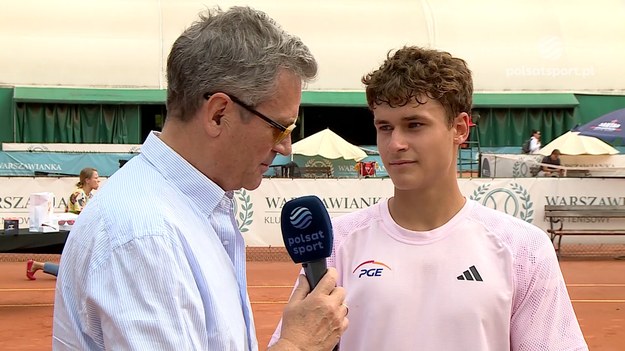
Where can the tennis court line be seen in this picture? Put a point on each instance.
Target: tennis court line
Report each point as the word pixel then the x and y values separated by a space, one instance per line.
pixel 26 289
pixel 269 302
pixel 285 302
pixel 249 286
pixel 606 285
pixel 580 285
pixel 52 305
pixel 575 285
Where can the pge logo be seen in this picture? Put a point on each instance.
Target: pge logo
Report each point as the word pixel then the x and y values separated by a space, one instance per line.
pixel 370 271
pixel 301 217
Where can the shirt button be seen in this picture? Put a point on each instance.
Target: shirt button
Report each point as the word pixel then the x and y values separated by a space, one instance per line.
pixel 226 242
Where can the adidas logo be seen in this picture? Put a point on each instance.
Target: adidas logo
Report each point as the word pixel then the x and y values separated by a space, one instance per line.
pixel 471 274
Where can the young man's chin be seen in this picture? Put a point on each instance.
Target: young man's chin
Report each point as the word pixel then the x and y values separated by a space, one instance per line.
pixel 406 184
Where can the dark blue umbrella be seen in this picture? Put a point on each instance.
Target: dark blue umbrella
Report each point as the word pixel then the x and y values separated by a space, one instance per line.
pixel 609 127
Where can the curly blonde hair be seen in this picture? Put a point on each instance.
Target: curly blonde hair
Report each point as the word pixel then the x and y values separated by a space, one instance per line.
pixel 412 73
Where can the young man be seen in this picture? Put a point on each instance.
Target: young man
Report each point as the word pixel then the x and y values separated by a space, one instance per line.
pixel 428 269
pixel 156 261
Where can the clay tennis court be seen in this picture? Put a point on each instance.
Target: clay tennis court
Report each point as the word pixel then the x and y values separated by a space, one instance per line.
pixel 597 289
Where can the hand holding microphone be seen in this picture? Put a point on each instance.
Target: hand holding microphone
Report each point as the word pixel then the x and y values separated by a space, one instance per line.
pixel 315 316
pixel 315 320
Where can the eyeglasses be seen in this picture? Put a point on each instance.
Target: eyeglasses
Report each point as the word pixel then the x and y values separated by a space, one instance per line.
pixel 281 131
pixel 69 222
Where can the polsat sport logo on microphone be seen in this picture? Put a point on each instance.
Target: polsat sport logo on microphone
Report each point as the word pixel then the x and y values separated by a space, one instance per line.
pixel 301 218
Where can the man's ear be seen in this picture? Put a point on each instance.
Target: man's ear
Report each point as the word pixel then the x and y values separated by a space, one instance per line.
pixel 213 113
pixel 461 128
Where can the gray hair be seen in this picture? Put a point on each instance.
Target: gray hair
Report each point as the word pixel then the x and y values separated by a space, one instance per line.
pixel 240 52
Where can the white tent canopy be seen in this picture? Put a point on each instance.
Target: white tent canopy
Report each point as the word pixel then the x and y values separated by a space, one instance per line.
pixel 328 144
pixel 571 143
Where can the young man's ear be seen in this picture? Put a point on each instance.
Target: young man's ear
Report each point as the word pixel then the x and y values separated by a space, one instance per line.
pixel 461 128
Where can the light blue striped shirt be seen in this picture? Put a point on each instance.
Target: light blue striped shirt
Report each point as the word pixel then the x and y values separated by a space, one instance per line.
pixel 155 262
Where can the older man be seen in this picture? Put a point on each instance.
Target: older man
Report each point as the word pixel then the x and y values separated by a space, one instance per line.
pixel 156 261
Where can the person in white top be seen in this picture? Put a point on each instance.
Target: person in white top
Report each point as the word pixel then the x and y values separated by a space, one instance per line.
pixel 428 269
pixel 535 142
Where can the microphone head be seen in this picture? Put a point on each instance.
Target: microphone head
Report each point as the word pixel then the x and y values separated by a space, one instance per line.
pixel 306 229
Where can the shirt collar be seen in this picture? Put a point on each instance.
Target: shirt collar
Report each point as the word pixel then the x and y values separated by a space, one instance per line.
pixel 204 193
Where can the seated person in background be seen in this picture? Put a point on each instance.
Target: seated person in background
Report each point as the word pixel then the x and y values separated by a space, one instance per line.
pixel 33 266
pixel 553 159
pixel 89 180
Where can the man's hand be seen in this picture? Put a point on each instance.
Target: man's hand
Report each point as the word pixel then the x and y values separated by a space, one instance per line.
pixel 314 321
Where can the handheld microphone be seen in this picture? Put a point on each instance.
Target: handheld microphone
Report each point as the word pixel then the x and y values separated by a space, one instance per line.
pixel 307 235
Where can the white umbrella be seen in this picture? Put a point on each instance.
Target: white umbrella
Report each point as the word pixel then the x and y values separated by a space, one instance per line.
pixel 328 144
pixel 571 143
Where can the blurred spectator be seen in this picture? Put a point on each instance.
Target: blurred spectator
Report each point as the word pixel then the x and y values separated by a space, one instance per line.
pixel 535 142
pixel 553 159
pixel 89 181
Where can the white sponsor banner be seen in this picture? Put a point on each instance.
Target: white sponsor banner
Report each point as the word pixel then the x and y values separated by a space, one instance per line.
pixel 258 212
pixel 518 166
pixel 70 147
pixel 262 227
pixel 524 198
